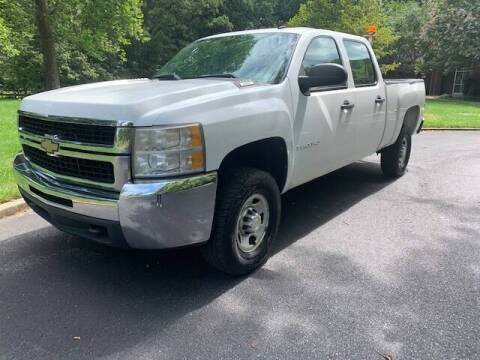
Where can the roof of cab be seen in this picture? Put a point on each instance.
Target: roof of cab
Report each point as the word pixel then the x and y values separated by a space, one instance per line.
pixel 291 30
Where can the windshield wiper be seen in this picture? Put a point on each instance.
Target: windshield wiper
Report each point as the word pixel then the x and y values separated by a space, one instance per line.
pixel 172 76
pixel 223 75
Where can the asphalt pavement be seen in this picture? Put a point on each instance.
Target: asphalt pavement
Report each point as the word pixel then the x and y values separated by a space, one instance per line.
pixel 363 266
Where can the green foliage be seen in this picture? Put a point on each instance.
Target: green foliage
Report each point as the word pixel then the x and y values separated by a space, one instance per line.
pixel 171 26
pixel 15 27
pixel 349 16
pixel 90 39
pixel 452 36
pixel 6 46
pixel 19 59
pixel 103 39
pixel 406 19
pixel 97 27
pixel 254 14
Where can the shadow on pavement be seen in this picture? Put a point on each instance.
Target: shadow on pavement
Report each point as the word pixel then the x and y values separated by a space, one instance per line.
pixel 309 206
pixel 55 286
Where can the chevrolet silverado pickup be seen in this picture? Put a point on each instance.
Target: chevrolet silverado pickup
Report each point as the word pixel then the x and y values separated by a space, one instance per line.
pixel 200 153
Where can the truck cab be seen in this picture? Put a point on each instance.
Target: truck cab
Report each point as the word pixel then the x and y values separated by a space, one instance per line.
pixel 200 153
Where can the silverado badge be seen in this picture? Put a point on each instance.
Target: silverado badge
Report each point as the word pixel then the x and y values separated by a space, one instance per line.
pixel 49 146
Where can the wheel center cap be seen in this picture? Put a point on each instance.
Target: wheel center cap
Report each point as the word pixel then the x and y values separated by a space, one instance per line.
pixel 252 223
pixel 256 223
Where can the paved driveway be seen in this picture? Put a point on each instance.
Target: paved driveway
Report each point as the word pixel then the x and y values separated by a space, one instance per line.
pixel 363 266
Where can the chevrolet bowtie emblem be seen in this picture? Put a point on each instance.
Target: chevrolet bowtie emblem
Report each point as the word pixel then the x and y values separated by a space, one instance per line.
pixel 49 146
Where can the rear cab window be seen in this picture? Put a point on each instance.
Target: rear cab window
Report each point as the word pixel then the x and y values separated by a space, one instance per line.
pixel 361 63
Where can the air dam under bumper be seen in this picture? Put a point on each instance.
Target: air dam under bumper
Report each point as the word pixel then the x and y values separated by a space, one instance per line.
pixel 154 215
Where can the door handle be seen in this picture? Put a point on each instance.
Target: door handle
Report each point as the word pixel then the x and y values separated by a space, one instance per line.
pixel 379 100
pixel 347 105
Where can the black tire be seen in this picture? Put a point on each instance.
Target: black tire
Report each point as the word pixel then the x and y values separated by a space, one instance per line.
pixel 394 159
pixel 236 188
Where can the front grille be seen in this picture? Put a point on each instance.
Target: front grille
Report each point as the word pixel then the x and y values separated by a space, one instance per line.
pixel 82 133
pixel 98 171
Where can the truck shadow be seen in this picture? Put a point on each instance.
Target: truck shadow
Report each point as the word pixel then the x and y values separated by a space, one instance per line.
pixel 309 206
pixel 56 287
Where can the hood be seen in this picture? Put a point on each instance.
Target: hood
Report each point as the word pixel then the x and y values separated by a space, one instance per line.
pixel 125 100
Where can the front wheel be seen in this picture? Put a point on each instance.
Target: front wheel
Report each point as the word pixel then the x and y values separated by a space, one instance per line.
pixel 395 158
pixel 247 216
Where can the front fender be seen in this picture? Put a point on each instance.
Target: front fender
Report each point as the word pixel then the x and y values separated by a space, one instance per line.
pixel 260 120
pixel 257 115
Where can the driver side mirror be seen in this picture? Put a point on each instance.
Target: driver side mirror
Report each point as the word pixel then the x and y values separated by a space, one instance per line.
pixel 322 75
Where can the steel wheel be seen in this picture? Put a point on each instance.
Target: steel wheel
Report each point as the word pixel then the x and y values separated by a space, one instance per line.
pixel 402 156
pixel 247 215
pixel 252 223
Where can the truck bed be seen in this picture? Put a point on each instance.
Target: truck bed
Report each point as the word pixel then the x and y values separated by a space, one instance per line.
pixel 402 94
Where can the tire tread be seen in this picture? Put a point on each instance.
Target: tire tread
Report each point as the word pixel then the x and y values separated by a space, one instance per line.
pixel 231 189
pixel 389 156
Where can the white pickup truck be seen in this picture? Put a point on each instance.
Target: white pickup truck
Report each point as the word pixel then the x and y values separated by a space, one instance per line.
pixel 200 153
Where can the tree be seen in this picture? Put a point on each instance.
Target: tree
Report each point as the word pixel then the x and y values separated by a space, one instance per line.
pixel 64 32
pixel 407 19
pixel 285 10
pixel 10 16
pixel 452 36
pixel 350 16
pixel 171 26
pixel 19 59
pixel 6 46
pixel 254 14
pixel 48 44
pixel 45 43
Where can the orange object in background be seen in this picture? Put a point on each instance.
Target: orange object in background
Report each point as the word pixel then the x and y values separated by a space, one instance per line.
pixel 371 30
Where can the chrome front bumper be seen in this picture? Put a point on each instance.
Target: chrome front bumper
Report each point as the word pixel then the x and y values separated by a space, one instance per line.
pixel 154 215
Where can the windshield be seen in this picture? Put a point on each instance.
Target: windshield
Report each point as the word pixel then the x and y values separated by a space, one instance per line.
pixel 260 57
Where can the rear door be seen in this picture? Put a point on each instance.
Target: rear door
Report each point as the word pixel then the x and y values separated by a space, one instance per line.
pixel 324 131
pixel 369 92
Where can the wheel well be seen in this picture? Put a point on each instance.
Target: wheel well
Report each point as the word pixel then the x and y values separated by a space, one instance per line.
pixel 411 119
pixel 269 155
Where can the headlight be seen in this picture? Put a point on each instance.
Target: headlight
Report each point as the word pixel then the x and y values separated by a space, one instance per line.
pixel 168 151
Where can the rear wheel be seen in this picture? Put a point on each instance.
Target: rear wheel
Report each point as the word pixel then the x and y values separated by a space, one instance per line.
pixel 394 159
pixel 246 221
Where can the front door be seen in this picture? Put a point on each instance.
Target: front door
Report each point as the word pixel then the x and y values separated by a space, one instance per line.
pixel 324 130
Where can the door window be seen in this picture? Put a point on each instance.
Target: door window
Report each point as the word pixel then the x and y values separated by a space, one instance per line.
pixel 363 70
pixel 322 50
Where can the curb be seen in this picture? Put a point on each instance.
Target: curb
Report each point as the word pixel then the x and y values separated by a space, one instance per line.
pixel 12 207
pixel 450 129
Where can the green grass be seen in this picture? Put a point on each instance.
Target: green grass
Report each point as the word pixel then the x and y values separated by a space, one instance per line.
pixel 9 146
pixel 450 113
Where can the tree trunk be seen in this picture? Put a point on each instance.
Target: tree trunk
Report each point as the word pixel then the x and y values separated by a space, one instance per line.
pixel 47 40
